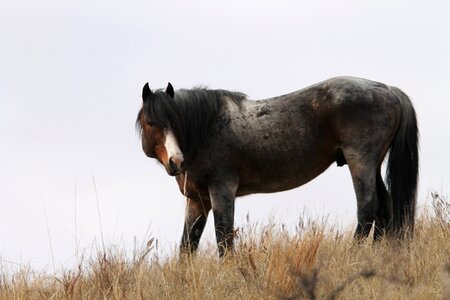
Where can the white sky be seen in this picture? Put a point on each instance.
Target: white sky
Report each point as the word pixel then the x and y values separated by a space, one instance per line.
pixel 71 74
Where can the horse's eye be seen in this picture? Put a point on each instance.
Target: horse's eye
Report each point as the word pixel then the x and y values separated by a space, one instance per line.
pixel 151 124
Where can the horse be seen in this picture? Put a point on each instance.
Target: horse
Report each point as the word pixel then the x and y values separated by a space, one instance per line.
pixel 220 145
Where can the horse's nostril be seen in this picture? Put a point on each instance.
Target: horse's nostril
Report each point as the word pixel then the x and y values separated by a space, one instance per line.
pixel 172 165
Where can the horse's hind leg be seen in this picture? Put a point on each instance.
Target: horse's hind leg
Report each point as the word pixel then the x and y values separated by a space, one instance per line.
pixel 363 173
pixel 383 220
pixel 195 221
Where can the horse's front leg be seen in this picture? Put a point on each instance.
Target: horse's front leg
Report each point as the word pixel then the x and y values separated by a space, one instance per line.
pixel 195 220
pixel 222 194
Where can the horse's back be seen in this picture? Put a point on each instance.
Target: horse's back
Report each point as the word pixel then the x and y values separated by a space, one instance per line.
pixel 321 111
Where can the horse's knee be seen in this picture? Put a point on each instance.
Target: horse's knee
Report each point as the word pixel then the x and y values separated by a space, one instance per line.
pixel 195 221
pixel 224 227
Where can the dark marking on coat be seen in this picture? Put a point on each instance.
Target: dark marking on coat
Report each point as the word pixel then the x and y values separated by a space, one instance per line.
pixel 265 110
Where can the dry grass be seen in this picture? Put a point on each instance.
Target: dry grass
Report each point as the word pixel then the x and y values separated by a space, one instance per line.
pixel 315 262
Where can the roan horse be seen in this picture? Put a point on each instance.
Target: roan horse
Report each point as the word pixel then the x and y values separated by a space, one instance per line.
pixel 220 145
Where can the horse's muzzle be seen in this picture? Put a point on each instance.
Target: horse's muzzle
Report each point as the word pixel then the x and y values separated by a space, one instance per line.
pixel 176 164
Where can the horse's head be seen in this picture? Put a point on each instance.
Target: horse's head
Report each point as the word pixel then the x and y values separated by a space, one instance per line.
pixel 157 118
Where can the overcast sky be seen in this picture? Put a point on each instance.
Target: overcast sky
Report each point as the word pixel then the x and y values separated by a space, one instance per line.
pixel 71 76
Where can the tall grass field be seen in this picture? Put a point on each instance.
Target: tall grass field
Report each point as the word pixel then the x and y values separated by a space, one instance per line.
pixel 315 261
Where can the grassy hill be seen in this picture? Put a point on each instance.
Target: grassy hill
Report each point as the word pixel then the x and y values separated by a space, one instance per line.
pixel 315 262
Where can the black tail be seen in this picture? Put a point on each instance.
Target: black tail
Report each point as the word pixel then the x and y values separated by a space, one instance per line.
pixel 403 168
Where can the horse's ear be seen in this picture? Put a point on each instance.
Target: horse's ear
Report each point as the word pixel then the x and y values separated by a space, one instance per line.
pixel 170 91
pixel 146 92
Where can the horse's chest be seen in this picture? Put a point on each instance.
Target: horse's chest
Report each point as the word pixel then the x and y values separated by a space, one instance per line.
pixel 190 187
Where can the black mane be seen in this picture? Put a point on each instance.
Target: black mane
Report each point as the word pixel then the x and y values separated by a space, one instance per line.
pixel 189 114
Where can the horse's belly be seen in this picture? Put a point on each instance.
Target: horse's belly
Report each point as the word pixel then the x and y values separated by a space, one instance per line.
pixel 280 177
